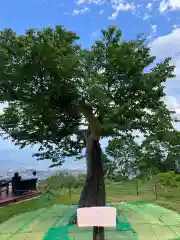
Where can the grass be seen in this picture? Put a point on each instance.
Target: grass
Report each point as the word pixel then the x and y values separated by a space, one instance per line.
pixel 116 192
pixel 32 205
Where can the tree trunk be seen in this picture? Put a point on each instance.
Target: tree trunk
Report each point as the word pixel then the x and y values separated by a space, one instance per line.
pixel 93 193
pixel 70 192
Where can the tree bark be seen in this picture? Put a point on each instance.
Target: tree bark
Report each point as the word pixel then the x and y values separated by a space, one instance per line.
pixel 93 193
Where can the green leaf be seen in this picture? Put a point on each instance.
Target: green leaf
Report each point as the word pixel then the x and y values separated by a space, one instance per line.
pixel 49 81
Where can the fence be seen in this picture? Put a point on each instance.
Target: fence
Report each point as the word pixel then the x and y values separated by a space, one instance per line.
pixel 126 191
pixel 143 191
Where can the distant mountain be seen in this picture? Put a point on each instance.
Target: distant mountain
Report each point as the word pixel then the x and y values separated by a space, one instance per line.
pixel 26 173
pixel 42 174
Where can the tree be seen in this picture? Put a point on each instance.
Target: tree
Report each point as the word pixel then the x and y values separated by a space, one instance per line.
pixel 69 183
pixel 152 154
pixel 57 164
pixel 53 87
pixel 160 153
pixel 125 153
pixel 109 166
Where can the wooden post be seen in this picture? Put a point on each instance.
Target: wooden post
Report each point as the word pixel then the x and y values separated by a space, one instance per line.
pixel 155 190
pixel 7 189
pixel 137 189
pixel 69 192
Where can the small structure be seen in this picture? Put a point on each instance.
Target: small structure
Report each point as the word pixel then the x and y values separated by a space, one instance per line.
pixel 22 186
pixel 96 217
pixel 4 187
pixel 21 189
pixel 16 184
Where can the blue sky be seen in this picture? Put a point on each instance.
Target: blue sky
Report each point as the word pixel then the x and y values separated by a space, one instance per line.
pixel 159 20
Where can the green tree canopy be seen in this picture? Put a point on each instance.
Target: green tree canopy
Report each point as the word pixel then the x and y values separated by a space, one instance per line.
pixel 53 87
pixel 160 155
pixel 125 154
pixel 50 84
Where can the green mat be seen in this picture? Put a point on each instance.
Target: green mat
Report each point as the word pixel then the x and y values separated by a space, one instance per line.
pixel 71 231
pixel 144 221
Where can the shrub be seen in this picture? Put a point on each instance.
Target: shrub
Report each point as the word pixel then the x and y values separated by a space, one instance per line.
pixel 168 179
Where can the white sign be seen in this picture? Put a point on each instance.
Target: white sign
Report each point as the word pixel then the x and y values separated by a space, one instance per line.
pixel 96 217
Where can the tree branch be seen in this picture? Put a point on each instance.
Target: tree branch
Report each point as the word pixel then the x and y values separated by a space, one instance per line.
pixel 95 126
pixel 83 134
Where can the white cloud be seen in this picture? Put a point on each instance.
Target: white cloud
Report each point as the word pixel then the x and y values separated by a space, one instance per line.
pixel 149 6
pixel 168 45
pixel 149 37
pixel 80 11
pixel 139 5
pixel 176 62
pixel 146 16
pixel 175 26
pixel 90 1
pixel 117 5
pixel 94 34
pixel 164 46
pixel 2 106
pixel 163 6
pixel 120 5
pixel 169 5
pixel 173 104
pixel 154 28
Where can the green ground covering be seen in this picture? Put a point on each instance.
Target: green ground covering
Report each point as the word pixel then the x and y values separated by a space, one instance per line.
pixel 140 220
pixel 46 218
pixel 116 192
